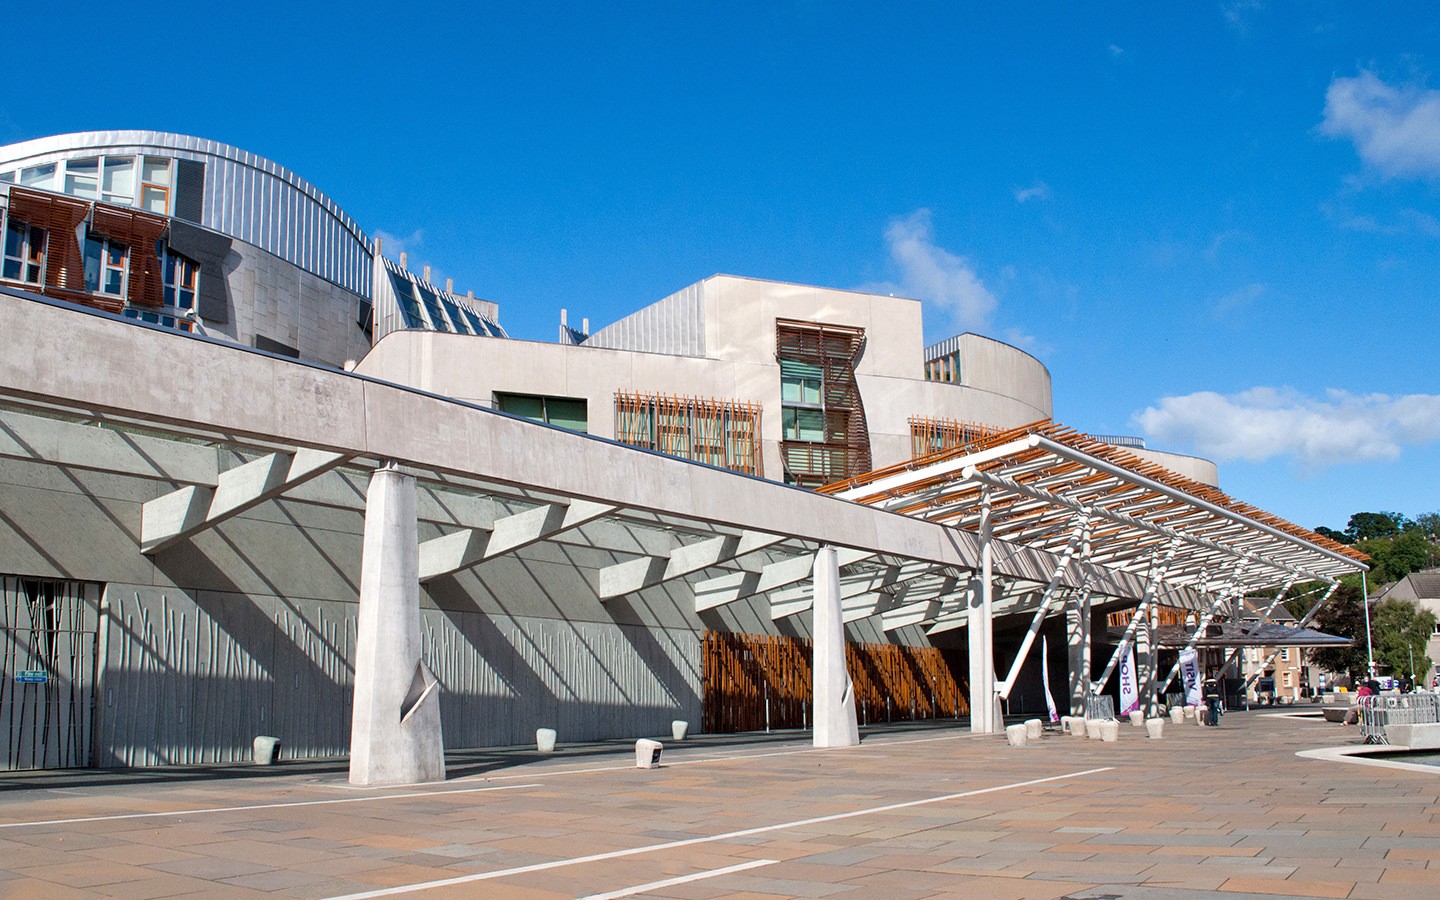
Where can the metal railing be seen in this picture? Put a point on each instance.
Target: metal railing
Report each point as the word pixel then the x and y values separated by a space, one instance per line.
pixel 1377 712
pixel 1101 707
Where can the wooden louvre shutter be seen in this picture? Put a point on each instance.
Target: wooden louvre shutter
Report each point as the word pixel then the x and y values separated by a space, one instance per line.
pixel 60 217
pixel 139 231
pixel 845 450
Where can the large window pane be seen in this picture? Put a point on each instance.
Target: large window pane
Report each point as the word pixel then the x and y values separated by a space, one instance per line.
pixel 82 177
pixel 119 183
pixel 522 405
pixel 42 177
pixel 566 413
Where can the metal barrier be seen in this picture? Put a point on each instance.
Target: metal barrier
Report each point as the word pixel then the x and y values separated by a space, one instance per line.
pixel 1376 712
pixel 1101 707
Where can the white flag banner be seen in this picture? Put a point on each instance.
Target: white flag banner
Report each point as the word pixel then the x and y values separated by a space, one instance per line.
pixel 1190 675
pixel 1129 690
pixel 1045 677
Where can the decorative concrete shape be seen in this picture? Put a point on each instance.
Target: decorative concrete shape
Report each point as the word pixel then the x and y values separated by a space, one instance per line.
pixel 836 724
pixel 1093 728
pixel 679 728
pixel 395 733
pixel 1110 731
pixel 647 753
pixel 545 740
pixel 1421 736
pixel 1177 715
pixel 267 750
pixel 1017 735
pixel 1079 727
pixel 1137 718
pixel 1034 728
pixel 1155 729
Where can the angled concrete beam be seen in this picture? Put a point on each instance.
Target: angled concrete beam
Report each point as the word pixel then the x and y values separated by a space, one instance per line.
pixel 793 601
pixel 170 519
pixel 471 546
pixel 729 588
pixel 648 571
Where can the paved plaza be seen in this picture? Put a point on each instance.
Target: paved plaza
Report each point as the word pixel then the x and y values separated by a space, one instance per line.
pixel 909 813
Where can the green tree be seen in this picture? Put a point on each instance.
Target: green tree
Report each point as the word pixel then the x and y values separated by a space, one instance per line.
pixel 1334 535
pixel 1364 526
pixel 1396 556
pixel 1401 633
pixel 1343 615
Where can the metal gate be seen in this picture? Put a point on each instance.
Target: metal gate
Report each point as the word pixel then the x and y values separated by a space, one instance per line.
pixel 48 642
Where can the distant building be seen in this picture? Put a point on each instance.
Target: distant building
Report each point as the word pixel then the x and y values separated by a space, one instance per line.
pixel 1422 588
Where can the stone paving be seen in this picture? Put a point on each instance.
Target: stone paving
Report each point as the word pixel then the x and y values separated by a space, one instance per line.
pixel 905 815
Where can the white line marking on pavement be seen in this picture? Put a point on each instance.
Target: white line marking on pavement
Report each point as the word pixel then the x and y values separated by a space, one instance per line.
pixel 220 809
pixel 683 879
pixel 689 842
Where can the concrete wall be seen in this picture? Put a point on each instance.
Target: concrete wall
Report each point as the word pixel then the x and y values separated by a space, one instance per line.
pixel 274 299
pixel 1192 467
pixel 1011 388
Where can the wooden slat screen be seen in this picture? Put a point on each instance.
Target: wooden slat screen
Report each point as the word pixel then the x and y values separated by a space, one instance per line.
pixel 836 350
pixel 751 681
pixel 139 231
pixel 723 433
pixel 59 216
pixel 933 435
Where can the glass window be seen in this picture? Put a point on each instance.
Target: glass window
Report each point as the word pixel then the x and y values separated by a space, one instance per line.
pixel 802 424
pixel 82 177
pixel 7 177
pixel 155 185
pixel 24 253
pixel 800 382
pixel 182 279
pixel 405 299
pixel 42 177
pixel 119 181
pixel 453 313
pixel 105 269
pixel 432 309
pixel 564 412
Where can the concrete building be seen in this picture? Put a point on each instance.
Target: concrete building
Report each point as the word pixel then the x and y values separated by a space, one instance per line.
pixel 528 535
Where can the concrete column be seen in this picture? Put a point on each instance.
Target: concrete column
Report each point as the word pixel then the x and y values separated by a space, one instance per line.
pixel 1077 634
pixel 395 734
pixel 834 695
pixel 980 628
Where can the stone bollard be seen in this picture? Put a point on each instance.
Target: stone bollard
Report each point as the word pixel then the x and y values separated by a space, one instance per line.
pixel 1177 715
pixel 1110 731
pixel 1137 718
pixel 647 753
pixel 1016 735
pixel 679 728
pixel 1034 728
pixel 1154 728
pixel 545 740
pixel 1093 728
pixel 1079 727
pixel 267 750
pixel 1200 718
pixel 1189 711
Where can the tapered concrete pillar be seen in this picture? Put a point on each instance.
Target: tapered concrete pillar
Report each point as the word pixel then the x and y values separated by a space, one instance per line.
pixel 834 695
pixel 395 733
pixel 1077 635
pixel 984 717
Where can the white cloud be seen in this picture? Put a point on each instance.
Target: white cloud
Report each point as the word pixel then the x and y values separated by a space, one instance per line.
pixel 395 244
pixel 1395 129
pixel 1116 51
pixel 1236 301
pixel 1263 423
pixel 1239 12
pixel 1037 191
pixel 946 283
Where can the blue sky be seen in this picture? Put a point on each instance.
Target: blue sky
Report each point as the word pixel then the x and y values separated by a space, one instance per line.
pixel 1216 223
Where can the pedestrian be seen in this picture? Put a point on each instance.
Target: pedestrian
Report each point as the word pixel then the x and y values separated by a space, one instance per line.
pixel 1212 702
